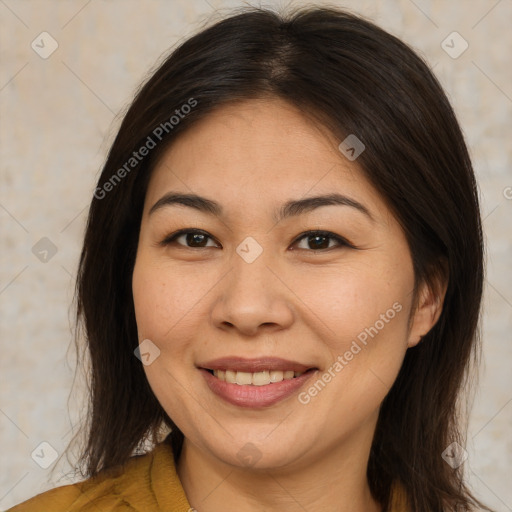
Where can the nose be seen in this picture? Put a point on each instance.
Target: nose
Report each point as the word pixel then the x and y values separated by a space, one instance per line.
pixel 252 298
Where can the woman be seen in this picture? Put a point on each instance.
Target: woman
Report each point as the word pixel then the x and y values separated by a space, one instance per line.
pixel 283 267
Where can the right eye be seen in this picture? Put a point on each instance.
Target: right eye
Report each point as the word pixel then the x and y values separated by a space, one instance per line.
pixel 197 239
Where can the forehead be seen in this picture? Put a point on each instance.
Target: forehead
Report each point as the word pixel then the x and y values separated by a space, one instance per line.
pixel 257 151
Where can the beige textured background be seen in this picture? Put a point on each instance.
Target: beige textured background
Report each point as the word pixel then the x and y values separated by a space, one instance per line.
pixel 58 117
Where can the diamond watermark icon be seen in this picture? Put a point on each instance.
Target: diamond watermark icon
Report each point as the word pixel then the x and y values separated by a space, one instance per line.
pixel 249 249
pixel 351 147
pixel 44 45
pixel 454 45
pixel 44 455
pixel 44 250
pixel 454 455
pixel 147 352
pixel 248 455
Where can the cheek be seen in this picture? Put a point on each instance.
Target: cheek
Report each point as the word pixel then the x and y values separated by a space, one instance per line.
pixel 162 302
pixel 360 313
pixel 343 303
pixel 162 307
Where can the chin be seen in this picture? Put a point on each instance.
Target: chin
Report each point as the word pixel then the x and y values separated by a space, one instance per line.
pixel 253 455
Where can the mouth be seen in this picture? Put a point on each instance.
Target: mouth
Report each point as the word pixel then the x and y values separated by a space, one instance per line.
pixel 261 378
pixel 255 383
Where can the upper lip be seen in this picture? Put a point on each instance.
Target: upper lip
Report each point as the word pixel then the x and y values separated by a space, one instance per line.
pixel 254 365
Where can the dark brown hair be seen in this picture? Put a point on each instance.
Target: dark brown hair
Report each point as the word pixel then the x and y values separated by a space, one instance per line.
pixel 353 78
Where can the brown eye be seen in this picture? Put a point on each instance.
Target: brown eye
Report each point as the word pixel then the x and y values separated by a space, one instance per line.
pixel 192 238
pixel 321 240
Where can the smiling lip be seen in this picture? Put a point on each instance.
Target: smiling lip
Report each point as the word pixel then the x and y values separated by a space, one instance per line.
pixel 259 364
pixel 252 396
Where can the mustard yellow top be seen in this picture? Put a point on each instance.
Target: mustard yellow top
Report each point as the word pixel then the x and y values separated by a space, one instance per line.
pixel 149 483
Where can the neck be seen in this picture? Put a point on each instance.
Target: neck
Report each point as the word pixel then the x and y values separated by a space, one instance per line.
pixel 331 481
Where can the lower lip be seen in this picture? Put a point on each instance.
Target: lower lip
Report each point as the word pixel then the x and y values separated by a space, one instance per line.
pixel 255 396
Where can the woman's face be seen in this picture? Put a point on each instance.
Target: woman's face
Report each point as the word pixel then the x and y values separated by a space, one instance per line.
pixel 252 285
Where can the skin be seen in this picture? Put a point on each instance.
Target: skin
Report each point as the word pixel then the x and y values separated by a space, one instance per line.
pixel 295 301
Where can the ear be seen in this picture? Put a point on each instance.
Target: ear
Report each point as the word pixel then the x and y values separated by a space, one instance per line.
pixel 427 310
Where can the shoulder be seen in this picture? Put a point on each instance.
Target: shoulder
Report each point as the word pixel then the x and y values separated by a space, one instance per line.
pixel 59 499
pixel 107 488
pixel 145 483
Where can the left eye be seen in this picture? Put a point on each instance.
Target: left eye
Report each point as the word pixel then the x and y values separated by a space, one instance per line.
pixel 321 240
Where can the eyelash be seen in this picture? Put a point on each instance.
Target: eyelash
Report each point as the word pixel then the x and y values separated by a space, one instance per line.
pixel 342 242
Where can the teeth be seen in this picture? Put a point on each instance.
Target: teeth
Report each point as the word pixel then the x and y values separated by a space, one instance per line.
pixel 256 379
pixel 243 378
pixel 259 378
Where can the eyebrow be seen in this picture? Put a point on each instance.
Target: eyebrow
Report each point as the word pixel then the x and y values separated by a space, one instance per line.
pixel 289 209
